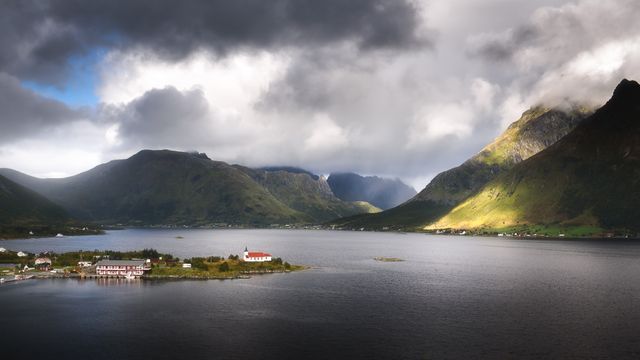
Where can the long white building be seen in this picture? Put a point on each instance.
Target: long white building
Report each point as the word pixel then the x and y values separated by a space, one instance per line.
pixel 121 267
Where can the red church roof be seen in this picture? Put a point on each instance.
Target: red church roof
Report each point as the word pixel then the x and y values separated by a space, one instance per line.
pixel 258 254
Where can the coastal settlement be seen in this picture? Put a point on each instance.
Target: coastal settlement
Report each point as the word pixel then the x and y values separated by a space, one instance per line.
pixel 146 264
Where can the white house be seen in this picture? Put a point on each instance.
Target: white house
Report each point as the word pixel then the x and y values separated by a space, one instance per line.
pixel 84 263
pixel 22 254
pixel 2 250
pixel 255 256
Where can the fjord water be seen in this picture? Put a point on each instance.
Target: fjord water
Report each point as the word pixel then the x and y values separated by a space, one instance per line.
pixel 453 297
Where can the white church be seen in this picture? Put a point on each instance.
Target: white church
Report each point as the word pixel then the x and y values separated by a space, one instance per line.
pixel 255 256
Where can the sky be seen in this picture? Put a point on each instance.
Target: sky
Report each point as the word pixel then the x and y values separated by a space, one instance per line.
pixel 394 88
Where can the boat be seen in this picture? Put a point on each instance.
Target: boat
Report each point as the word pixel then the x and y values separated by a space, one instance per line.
pixel 59 235
pixel 129 276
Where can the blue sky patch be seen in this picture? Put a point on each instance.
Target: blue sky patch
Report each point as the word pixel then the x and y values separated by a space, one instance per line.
pixel 80 88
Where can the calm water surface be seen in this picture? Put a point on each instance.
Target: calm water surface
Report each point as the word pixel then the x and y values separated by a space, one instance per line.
pixel 453 297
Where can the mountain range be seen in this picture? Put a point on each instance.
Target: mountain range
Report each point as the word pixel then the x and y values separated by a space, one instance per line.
pixel 553 171
pixel 538 128
pixel 568 169
pixel 169 187
pixel 586 182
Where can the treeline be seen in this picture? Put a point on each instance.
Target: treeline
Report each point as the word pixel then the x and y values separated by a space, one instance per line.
pixel 73 257
pixel 204 263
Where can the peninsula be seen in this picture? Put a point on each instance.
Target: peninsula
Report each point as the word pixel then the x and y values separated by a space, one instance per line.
pixel 144 264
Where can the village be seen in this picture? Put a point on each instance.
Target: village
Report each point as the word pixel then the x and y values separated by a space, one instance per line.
pixel 130 265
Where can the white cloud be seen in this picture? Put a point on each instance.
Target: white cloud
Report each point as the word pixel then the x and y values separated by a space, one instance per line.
pixel 230 84
pixel 326 136
pixel 64 151
pixel 439 121
pixel 576 52
pixel 484 94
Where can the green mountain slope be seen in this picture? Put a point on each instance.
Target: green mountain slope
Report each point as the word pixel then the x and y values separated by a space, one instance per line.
pixel 169 187
pixel 537 129
pixel 383 193
pixel 166 187
pixel 21 206
pixel 590 179
pixel 306 192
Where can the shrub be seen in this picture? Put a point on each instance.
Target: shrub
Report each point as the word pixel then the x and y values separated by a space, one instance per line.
pixel 198 263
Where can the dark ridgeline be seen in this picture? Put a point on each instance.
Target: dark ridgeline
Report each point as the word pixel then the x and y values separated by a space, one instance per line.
pixel 289 169
pixel 383 193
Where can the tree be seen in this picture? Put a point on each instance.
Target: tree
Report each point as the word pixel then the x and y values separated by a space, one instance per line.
pixel 287 266
pixel 198 263
pixel 150 254
pixel 224 267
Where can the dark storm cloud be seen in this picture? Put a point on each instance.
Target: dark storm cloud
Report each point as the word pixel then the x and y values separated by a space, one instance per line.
pixel 37 37
pixel 31 45
pixel 162 117
pixel 504 47
pixel 25 113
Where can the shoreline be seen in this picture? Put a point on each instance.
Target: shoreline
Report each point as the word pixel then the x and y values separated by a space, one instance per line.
pixel 390 231
pixel 151 277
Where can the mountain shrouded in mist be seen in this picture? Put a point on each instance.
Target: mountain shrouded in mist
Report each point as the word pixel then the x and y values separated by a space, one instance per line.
pixel 538 128
pixel 588 180
pixel 383 193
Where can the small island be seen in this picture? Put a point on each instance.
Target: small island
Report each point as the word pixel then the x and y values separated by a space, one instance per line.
pixel 141 264
pixel 387 259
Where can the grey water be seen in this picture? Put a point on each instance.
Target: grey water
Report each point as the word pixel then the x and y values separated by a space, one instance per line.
pixel 453 297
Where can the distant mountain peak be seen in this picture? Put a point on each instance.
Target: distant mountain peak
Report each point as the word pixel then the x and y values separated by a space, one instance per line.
pixel 381 192
pixel 619 112
pixel 626 89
